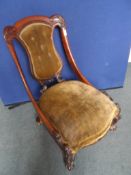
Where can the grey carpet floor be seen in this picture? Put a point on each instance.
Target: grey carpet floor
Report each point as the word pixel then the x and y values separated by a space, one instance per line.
pixel 28 149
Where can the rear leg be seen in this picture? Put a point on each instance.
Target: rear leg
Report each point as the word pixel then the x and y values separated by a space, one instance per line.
pixel 38 120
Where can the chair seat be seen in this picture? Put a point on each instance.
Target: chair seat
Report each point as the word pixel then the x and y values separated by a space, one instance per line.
pixel 81 113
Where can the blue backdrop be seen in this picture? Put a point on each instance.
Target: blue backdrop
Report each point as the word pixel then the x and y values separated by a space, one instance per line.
pixel 99 32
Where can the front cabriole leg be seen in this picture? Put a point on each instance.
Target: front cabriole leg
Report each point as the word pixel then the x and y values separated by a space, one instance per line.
pixel 115 120
pixel 69 158
pixel 68 154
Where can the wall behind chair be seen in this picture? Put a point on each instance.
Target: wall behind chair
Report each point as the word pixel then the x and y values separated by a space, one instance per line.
pixel 99 32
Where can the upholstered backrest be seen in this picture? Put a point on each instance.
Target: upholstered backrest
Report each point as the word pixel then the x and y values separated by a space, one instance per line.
pixel 35 33
pixel 37 38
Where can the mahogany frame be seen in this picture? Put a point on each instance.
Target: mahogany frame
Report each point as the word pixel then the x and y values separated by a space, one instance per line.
pixel 10 33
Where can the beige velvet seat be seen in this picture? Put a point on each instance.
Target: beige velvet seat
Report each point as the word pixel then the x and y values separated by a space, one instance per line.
pixel 81 113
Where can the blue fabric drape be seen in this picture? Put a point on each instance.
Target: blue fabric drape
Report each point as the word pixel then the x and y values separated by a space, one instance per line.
pixel 99 34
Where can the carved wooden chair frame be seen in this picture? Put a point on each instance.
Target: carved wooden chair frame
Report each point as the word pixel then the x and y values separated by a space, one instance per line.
pixel 10 33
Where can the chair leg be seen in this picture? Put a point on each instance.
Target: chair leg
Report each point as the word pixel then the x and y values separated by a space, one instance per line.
pixel 68 155
pixel 113 127
pixel 38 120
pixel 69 158
pixel 114 122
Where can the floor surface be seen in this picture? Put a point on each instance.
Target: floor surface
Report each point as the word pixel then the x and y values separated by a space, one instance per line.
pixel 28 149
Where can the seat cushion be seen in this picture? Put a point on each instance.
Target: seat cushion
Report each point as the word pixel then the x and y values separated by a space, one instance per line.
pixel 81 113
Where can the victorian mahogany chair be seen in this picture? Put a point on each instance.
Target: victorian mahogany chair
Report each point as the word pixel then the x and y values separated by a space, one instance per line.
pixel 75 113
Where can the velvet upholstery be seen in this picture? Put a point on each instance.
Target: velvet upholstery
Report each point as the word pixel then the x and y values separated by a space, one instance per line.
pixel 45 61
pixel 81 113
